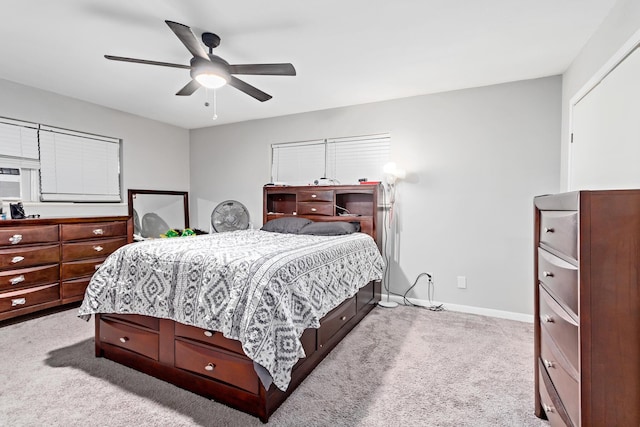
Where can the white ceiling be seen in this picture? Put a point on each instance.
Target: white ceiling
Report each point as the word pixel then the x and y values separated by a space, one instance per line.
pixel 346 52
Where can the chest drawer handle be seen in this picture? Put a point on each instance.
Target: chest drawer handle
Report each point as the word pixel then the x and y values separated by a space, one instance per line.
pixel 18 301
pixel 124 339
pixel 97 266
pixel 549 319
pixel 208 333
pixel 548 363
pixel 98 231
pixel 209 367
pixel 98 248
pixel 313 209
pixel 549 230
pixel 547 274
pixel 16 259
pixel 15 239
pixel 313 196
pixel 548 408
pixel 343 318
pixel 17 279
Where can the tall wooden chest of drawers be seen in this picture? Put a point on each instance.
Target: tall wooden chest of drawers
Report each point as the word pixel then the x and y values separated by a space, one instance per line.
pixel 587 308
pixel 49 262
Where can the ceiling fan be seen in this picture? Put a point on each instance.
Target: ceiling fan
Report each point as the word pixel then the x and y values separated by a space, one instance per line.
pixel 210 70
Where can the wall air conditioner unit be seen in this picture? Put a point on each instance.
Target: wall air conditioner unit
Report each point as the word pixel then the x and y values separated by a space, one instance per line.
pixel 10 184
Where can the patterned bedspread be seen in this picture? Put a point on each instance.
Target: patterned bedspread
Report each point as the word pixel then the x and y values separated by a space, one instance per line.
pixel 263 289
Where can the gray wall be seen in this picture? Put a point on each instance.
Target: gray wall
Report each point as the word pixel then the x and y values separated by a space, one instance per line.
pixel 156 155
pixel 620 25
pixel 475 159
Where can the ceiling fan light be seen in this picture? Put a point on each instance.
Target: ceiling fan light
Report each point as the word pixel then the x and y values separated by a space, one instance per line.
pixel 211 80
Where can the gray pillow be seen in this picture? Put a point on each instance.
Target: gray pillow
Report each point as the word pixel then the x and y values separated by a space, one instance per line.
pixel 286 225
pixel 332 228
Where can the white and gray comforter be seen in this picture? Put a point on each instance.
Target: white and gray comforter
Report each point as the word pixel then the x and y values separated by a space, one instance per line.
pixel 263 289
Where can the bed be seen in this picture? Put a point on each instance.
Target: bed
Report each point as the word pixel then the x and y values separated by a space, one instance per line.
pixel 239 317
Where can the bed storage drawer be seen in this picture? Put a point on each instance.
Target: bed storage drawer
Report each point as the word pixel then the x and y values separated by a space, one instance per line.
pixel 19 236
pixel 559 230
pixel 152 323
pixel 335 319
pixel 28 256
pixel 31 276
pixel 365 295
pixel 93 230
pixel 208 337
pixel 218 364
pixel 138 340
pixel 91 249
pixel 27 297
pixel 561 328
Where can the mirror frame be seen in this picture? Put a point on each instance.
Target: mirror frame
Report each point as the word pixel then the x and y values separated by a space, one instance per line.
pixel 185 197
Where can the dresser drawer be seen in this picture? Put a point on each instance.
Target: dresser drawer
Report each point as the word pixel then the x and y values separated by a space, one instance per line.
pixel 218 364
pixel 28 256
pixel 560 278
pixel 208 337
pixel 335 319
pixel 73 290
pixel 93 230
pixel 27 297
pixel 311 208
pixel 551 405
pixel 562 329
pixel 563 376
pixel 77 269
pixel 130 338
pixel 315 196
pixel 559 230
pixel 10 279
pixel 91 248
pixel 18 236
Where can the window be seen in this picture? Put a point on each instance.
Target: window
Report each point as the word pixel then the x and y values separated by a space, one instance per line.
pixel 344 160
pixel 61 165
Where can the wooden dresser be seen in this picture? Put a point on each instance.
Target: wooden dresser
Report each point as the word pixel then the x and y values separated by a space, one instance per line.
pixel 49 262
pixel 332 203
pixel 587 308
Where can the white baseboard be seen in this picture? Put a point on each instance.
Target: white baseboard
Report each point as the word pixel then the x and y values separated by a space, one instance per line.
pixel 521 317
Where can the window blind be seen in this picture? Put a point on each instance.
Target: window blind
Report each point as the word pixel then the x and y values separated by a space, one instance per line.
pixel 76 166
pixel 344 160
pixel 18 144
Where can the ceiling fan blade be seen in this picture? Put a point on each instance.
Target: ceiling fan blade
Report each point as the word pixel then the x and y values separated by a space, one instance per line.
pixel 248 89
pixel 188 39
pixel 189 88
pixel 144 61
pixel 264 69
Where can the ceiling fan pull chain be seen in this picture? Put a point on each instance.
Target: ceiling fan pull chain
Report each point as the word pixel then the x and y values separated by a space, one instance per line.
pixel 215 105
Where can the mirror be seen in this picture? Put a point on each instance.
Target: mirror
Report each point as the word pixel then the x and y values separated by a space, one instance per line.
pixel 155 212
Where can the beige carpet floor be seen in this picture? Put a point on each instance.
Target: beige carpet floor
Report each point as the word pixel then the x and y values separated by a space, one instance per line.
pixel 400 367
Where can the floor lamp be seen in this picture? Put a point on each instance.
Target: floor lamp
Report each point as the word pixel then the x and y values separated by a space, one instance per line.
pixel 392 175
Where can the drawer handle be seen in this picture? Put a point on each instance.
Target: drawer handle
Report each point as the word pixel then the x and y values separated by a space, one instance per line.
pixel 18 301
pixel 548 363
pixel 548 408
pixel 547 274
pixel 209 367
pixel 343 318
pixel 313 209
pixel 208 333
pixel 549 230
pixel 124 339
pixel 15 239
pixel 16 259
pixel 98 248
pixel 98 231
pixel 97 266
pixel 17 279
pixel 313 196
pixel 549 319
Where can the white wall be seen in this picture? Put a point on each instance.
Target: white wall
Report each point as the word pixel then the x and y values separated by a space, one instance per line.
pixel 476 158
pixel 621 23
pixel 155 155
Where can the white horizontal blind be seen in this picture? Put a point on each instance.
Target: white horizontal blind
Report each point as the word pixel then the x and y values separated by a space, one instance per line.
pixel 297 163
pixel 351 159
pixel 18 144
pixel 78 167
pixel 342 160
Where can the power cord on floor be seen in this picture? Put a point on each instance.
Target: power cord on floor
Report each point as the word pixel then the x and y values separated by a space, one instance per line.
pixel 430 290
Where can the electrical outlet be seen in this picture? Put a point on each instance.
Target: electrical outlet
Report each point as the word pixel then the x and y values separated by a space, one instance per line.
pixel 462 282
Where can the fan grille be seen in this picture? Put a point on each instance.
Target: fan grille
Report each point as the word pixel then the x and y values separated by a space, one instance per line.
pixel 230 215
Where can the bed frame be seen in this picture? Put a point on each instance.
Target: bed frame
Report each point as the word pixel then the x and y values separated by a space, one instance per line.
pixel 213 366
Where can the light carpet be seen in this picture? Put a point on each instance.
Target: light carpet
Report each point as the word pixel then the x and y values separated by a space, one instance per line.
pixel 405 366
